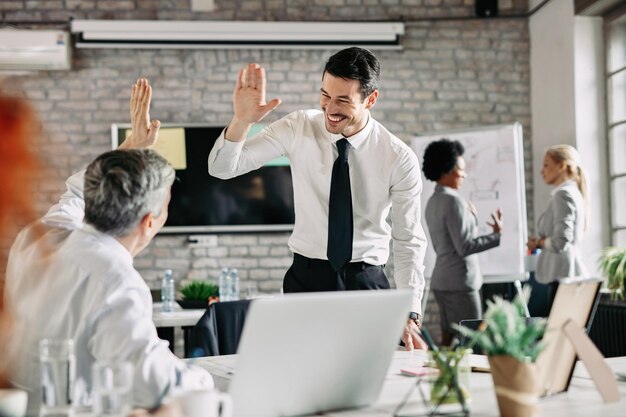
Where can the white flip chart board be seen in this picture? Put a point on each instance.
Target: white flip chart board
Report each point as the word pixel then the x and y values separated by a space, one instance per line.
pixel 495 179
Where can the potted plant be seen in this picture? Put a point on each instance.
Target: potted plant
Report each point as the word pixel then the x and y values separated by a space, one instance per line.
pixel 613 266
pixel 198 294
pixel 512 344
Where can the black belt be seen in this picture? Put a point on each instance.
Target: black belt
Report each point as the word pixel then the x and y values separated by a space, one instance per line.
pixel 311 262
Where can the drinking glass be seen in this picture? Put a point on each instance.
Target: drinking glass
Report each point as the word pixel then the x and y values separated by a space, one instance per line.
pixel 251 292
pixel 450 386
pixel 58 371
pixel 112 388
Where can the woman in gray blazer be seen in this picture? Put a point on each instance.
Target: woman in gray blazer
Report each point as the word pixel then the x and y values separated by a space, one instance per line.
pixel 561 225
pixel 453 229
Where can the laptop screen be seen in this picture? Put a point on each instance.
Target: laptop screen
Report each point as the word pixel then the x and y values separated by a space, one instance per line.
pixel 314 352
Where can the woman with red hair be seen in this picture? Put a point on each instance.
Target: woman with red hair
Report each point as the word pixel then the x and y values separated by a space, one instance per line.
pixel 19 129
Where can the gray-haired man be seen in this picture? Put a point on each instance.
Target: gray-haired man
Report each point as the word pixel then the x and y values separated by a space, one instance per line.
pixel 71 274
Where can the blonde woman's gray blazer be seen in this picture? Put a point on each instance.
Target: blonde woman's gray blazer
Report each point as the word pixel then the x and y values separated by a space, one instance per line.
pixel 562 224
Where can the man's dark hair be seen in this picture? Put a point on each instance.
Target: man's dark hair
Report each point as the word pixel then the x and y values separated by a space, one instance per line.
pixel 356 64
pixel 441 157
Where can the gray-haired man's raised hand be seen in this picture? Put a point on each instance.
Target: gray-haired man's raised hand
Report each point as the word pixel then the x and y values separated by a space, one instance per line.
pixel 145 131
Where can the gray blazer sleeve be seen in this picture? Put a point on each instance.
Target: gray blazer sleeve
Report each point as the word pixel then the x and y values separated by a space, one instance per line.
pixel 564 218
pixel 460 222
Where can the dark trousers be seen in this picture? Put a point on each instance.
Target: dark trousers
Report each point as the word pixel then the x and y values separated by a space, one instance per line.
pixel 309 275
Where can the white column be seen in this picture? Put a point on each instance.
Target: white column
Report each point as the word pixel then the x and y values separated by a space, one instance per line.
pixel 567 106
pixel 590 85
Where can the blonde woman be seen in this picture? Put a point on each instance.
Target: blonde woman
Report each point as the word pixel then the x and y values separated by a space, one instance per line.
pixel 561 225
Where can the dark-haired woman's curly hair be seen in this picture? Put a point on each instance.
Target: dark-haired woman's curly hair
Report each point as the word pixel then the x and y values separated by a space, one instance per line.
pixel 441 157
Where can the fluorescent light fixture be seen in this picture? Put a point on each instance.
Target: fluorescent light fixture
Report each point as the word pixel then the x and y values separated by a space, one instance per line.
pixel 176 34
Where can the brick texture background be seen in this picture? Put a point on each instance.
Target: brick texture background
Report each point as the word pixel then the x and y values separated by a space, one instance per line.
pixel 455 72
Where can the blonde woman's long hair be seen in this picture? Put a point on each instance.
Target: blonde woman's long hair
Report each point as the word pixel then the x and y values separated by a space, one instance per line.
pixel 569 156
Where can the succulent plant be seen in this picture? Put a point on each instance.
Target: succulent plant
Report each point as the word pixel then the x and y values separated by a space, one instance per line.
pixel 199 290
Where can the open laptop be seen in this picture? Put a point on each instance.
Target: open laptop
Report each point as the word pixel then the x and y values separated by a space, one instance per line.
pixel 315 352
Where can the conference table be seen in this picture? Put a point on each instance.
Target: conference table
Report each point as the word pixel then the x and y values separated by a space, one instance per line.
pixel 207 331
pixel 581 400
pixel 167 321
pixel 178 317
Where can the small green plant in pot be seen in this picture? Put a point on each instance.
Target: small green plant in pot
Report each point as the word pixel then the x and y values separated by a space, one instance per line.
pixel 198 294
pixel 512 345
pixel 613 266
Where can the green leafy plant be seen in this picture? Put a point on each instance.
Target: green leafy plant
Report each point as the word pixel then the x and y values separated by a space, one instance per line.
pixel 199 290
pixel 506 332
pixel 613 265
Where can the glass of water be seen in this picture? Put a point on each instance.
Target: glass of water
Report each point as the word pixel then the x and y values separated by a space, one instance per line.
pixel 58 371
pixel 112 388
pixel 251 292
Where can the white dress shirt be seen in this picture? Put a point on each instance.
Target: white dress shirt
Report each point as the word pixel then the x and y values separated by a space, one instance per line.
pixel 384 176
pixel 67 280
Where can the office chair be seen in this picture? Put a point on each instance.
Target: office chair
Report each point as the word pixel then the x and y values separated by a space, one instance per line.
pixel 219 329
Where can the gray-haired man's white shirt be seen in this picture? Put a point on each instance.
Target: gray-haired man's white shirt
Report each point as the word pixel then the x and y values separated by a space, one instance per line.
pixel 67 280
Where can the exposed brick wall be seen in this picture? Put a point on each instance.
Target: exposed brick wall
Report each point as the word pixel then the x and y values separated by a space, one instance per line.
pixel 62 10
pixel 451 74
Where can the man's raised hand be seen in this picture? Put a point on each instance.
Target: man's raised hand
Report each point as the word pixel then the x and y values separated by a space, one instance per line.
pixel 249 95
pixel 145 131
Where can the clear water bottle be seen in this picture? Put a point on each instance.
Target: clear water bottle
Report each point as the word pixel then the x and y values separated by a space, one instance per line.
pixel 167 291
pixel 224 284
pixel 234 284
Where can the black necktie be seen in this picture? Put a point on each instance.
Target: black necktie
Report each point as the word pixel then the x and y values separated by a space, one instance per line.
pixel 340 227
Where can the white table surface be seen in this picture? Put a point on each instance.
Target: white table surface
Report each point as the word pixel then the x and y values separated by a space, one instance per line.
pixel 179 317
pixel 581 400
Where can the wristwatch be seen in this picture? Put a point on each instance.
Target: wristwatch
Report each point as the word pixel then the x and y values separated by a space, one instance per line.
pixel 417 319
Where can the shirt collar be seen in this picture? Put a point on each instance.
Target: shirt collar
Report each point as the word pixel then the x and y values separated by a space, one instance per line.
pixel 109 241
pixel 357 139
pixel 564 184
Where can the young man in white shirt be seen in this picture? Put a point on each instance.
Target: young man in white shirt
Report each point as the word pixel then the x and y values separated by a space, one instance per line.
pixel 71 275
pixel 341 237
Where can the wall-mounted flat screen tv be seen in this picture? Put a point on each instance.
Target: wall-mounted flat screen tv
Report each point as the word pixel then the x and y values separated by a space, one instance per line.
pixel 259 201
